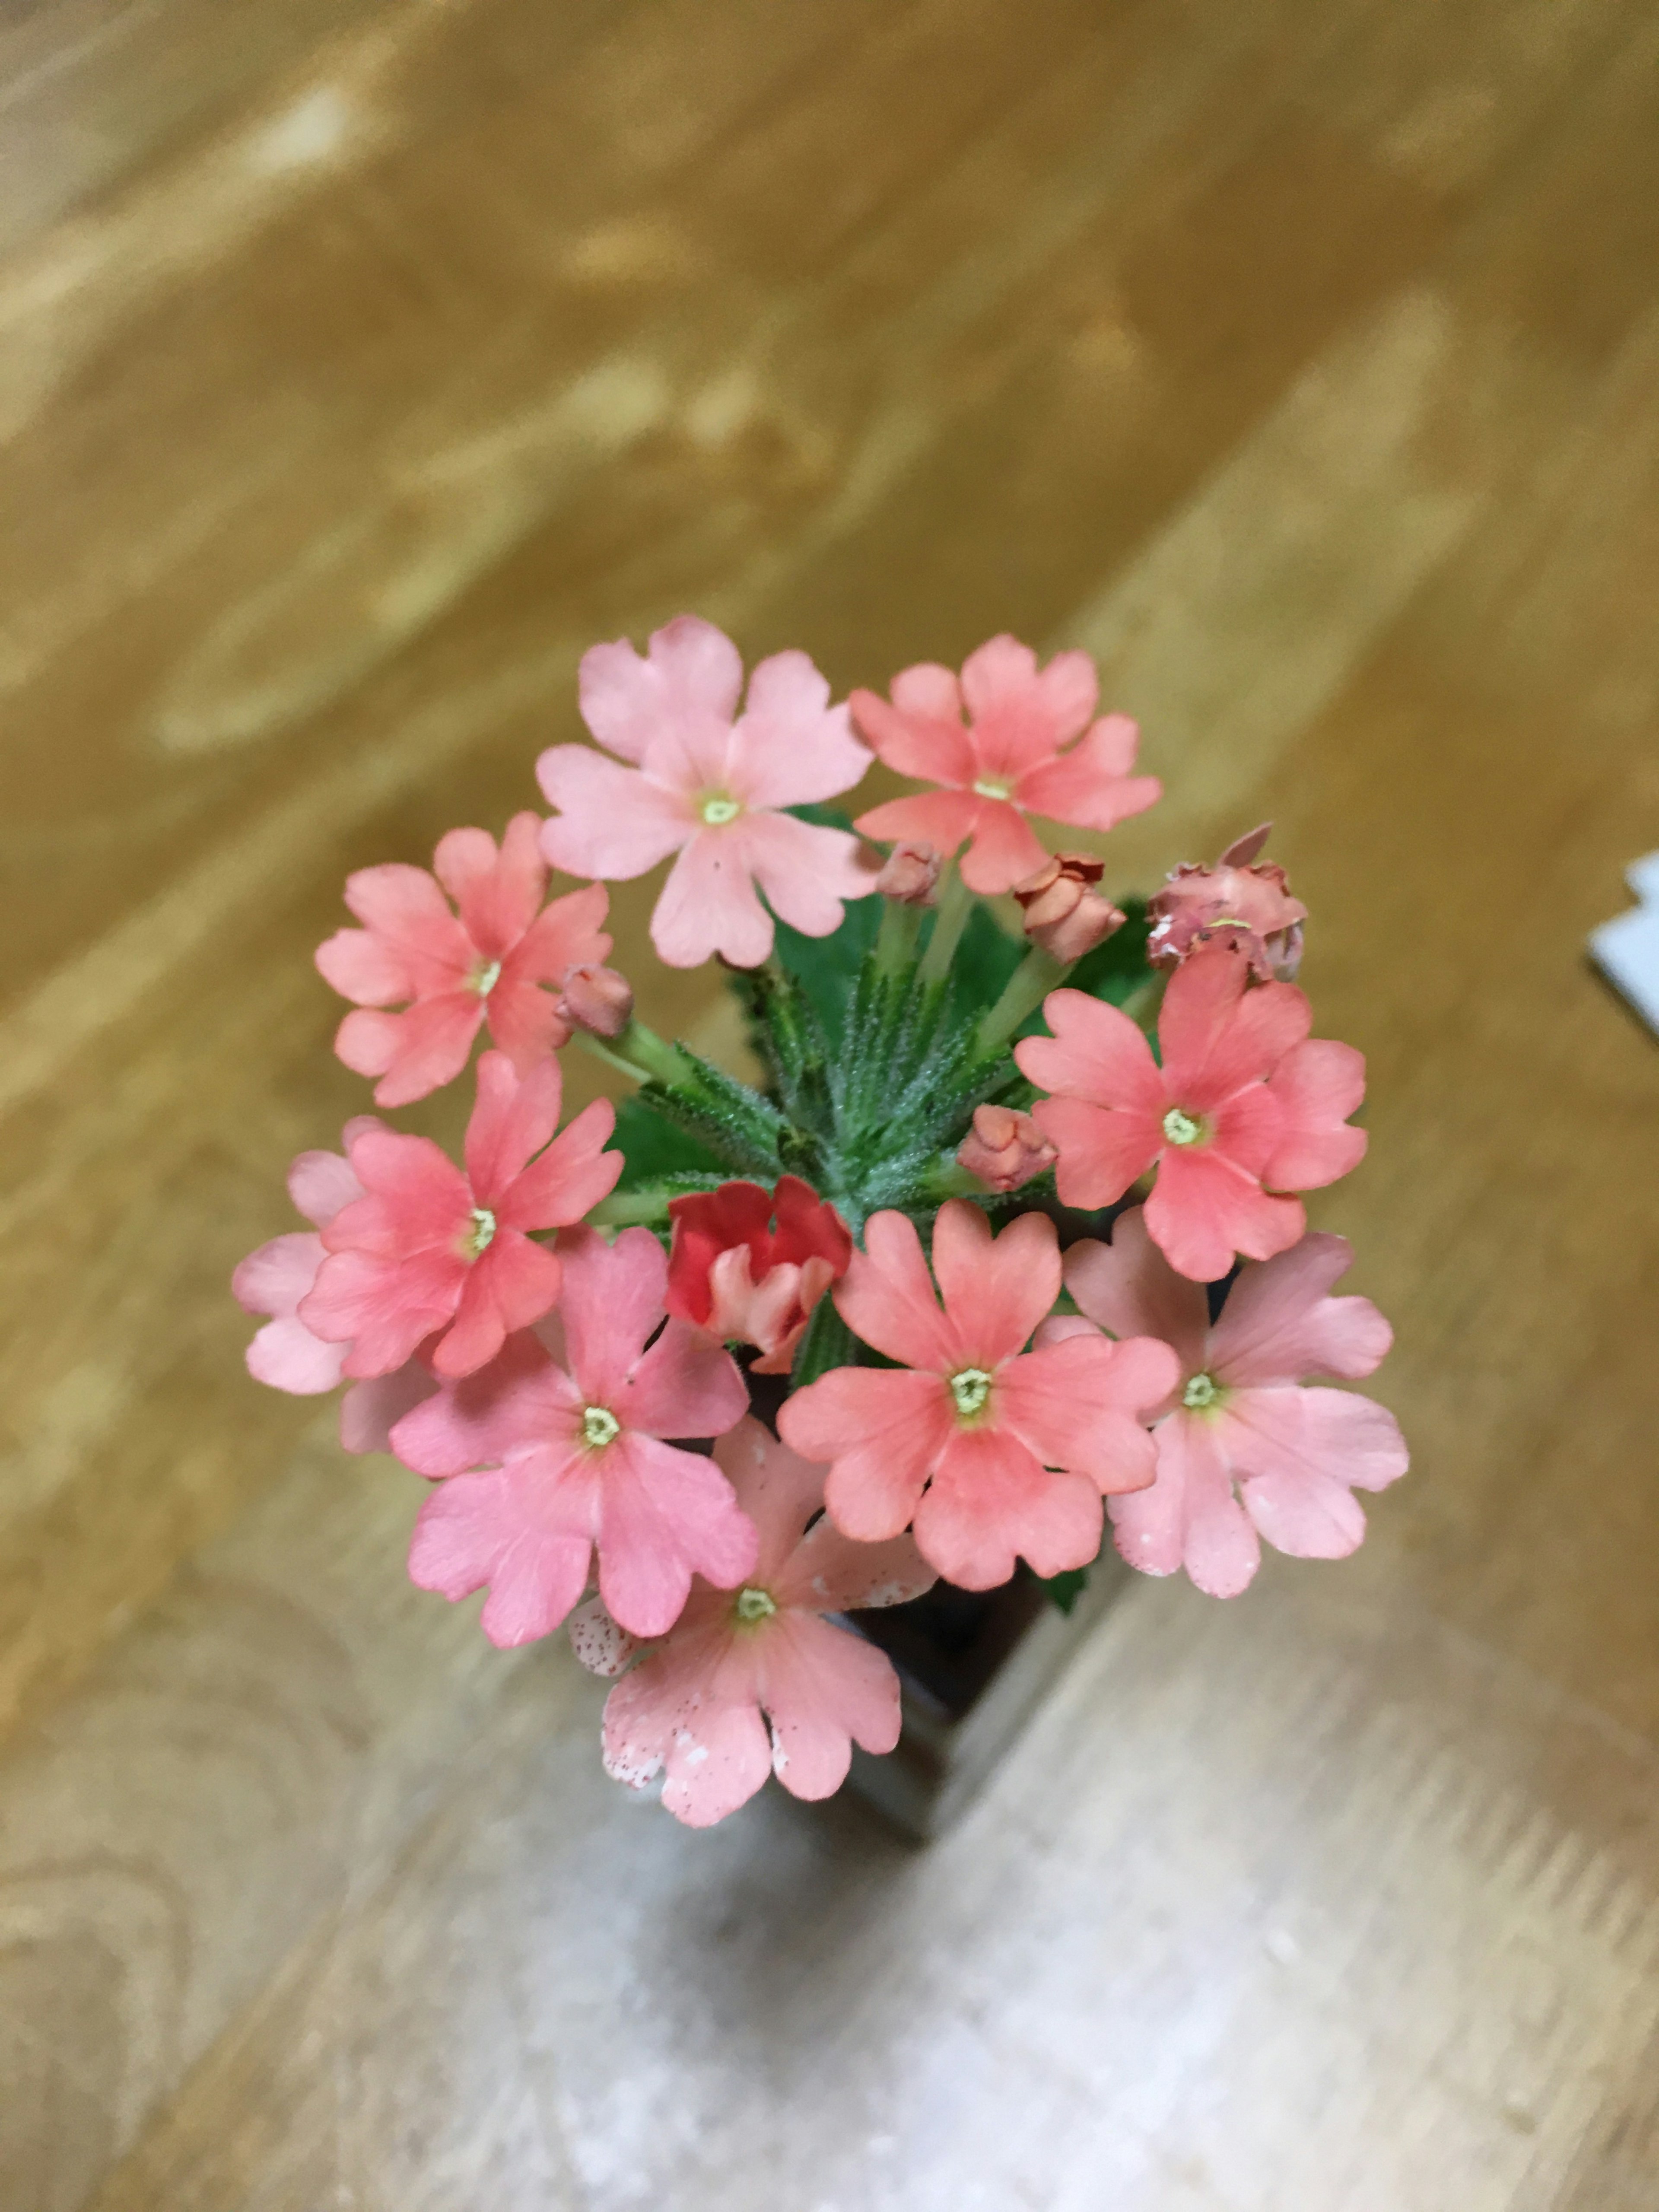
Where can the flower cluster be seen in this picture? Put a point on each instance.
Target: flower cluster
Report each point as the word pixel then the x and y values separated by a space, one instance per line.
pixel 571 1333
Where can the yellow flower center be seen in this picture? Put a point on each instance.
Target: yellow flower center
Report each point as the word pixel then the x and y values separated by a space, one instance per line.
pixel 753 1605
pixel 991 787
pixel 484 981
pixel 477 1239
pixel 600 1426
pixel 1201 1394
pixel 1180 1128
pixel 970 1387
pixel 718 809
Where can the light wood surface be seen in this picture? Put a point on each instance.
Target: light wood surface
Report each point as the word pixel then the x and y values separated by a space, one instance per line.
pixel 359 366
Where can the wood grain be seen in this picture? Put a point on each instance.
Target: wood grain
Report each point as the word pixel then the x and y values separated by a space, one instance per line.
pixel 361 365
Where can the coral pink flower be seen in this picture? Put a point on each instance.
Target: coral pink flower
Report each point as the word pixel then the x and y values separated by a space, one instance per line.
pixel 430 1248
pixel 1242 1107
pixel 274 1280
pixel 1009 762
pixel 569 1441
pixel 989 1422
pixel 1244 1451
pixel 731 1273
pixel 708 784
pixel 487 962
pixel 695 1706
pixel 1234 904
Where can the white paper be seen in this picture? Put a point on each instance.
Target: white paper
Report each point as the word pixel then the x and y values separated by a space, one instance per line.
pixel 1627 951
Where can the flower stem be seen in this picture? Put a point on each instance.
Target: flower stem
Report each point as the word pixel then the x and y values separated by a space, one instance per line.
pixel 828 1343
pixel 1037 974
pixel 896 940
pixel 1144 1002
pixel 956 903
pixel 624 1207
pixel 638 1052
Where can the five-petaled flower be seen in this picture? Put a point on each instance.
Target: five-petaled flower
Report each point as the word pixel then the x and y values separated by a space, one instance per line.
pixel 708 784
pixel 693 1709
pixel 1248 908
pixel 280 1275
pixel 734 1274
pixel 1013 758
pixel 1243 1106
pixel 1244 1451
pixel 557 1451
pixel 432 1247
pixel 990 1450
pixel 488 962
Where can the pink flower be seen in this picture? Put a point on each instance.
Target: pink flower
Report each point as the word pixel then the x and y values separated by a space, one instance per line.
pixel 276 1277
pixel 1004 1148
pixel 695 1706
pixel 910 875
pixel 1244 1449
pixel 1010 761
pixel 731 1273
pixel 569 1439
pixel 709 787
pixel 971 1419
pixel 430 1248
pixel 457 970
pixel 1241 1108
pixel 1231 904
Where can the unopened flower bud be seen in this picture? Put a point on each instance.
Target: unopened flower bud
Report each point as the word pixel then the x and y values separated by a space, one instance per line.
pixel 1004 1148
pixel 910 874
pixel 596 998
pixel 1063 912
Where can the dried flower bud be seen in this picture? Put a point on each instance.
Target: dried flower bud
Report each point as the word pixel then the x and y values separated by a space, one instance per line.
pixel 1004 1148
pixel 1249 910
pixel 910 874
pixel 1063 914
pixel 596 998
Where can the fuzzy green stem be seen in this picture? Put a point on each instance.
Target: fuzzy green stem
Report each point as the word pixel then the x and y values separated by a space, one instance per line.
pixel 1037 974
pixel 956 903
pixel 896 940
pixel 948 1178
pixel 624 1207
pixel 827 1343
pixel 638 1052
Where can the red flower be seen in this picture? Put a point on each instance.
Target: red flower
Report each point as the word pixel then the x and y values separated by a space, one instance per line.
pixel 432 1248
pixel 1242 1106
pixel 457 971
pixel 1014 758
pixel 731 1273
pixel 1013 1450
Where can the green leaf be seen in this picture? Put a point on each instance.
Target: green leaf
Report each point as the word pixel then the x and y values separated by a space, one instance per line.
pixel 827 968
pixel 656 1150
pixel 985 958
pixel 1065 1590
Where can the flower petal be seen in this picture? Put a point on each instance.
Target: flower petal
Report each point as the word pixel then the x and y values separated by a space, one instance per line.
pixel 287 1356
pixel 1096 1053
pixel 824 1688
pixel 939 818
pixel 1004 849
pixel 879 1430
pixel 320 1183
pixel 1190 1517
pixel 1287 1432
pixel 1204 1209
pixel 791 746
pixel 1278 1324
pixel 683 1386
pixel 1080 1403
pixel 995 1290
pixel 612 821
pixel 805 871
pixel 276 1275
pixel 513 1117
pixel 522 1398
pixel 612 1301
pixel 887 1297
pixel 571 1176
pixel 992 1498
pixel 779 1490
pixel 361 965
pixel 405 907
pixel 828 1572
pixel 664 1515
pixel 413 1053
pixel 498 893
pixel 1089 786
pixel 708 904
pixel 1130 1288
pixel 1101 1153
pixel 506 1288
pixel 921 733
pixel 1317 1086
pixel 717 1755
pixel 370 1410
pixel 514 1528
pixel 568 933
pixel 1216 1037
pixel 690 671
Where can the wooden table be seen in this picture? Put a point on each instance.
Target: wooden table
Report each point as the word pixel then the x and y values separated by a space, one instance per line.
pixel 360 366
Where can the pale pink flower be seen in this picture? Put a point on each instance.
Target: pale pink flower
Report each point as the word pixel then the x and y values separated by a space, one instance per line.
pixel 486 963
pixel 1063 913
pixel 1243 1106
pixel 1013 758
pixel 990 1450
pixel 733 1274
pixel 699 1706
pixel 1232 903
pixel 709 784
pixel 1244 1451
pixel 1004 1148
pixel 279 1275
pixel 567 1428
pixel 432 1247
